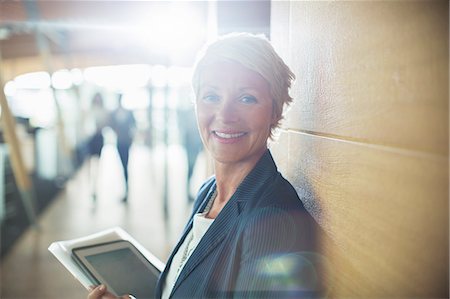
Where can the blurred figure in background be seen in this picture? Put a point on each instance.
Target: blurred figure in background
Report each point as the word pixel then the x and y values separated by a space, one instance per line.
pixel 96 141
pixel 124 125
pixel 191 141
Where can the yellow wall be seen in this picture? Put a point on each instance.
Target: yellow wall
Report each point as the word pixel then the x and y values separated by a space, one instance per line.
pixel 366 141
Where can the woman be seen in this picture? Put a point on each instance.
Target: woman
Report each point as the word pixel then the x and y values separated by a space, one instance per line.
pixel 249 234
pixel 96 142
pixel 124 125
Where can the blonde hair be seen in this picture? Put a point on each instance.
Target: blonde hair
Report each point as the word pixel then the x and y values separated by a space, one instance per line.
pixel 257 54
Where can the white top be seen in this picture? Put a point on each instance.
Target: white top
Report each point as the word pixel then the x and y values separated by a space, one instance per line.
pixel 199 227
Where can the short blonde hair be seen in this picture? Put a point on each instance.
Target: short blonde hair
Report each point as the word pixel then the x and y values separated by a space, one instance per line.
pixel 257 54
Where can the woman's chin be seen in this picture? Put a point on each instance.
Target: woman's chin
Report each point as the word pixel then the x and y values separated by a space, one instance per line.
pixel 234 157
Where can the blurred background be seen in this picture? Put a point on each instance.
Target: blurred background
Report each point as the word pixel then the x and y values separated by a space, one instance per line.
pixel 98 131
pixel 71 165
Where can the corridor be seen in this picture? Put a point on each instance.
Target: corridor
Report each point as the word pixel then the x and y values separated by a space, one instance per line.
pixel 30 271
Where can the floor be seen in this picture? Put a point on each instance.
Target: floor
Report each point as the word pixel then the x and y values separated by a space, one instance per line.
pixel 30 271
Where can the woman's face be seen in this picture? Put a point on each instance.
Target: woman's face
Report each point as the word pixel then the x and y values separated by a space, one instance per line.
pixel 234 112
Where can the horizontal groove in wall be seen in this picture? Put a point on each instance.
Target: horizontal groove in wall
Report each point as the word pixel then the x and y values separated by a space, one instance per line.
pixel 366 143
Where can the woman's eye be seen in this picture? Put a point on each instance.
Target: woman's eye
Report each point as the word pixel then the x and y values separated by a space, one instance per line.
pixel 248 99
pixel 211 98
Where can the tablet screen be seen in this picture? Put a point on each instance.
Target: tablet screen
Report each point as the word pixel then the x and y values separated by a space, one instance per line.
pixel 121 267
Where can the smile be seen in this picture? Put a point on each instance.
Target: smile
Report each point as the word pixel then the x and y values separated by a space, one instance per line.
pixel 228 135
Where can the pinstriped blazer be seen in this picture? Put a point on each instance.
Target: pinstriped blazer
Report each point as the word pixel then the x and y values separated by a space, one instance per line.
pixel 261 245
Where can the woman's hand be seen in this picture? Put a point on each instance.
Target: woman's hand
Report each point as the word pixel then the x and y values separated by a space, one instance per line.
pixel 100 292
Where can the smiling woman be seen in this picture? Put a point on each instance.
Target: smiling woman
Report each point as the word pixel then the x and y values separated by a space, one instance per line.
pixel 254 219
pixel 235 113
pixel 249 235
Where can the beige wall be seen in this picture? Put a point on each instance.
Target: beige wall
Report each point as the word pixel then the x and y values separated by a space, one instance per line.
pixel 366 141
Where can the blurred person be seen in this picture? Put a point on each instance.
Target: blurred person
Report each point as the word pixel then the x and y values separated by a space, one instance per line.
pixel 192 143
pixel 249 235
pixel 124 125
pixel 96 141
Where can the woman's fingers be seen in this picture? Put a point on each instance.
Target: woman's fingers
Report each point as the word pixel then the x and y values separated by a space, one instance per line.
pixel 96 292
pixel 99 292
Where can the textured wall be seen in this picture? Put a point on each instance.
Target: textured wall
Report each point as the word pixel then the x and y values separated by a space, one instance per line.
pixel 366 141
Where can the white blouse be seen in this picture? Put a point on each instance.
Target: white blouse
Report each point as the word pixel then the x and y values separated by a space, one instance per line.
pixel 199 227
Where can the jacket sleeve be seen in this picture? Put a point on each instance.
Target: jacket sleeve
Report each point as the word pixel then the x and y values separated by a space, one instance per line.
pixel 278 259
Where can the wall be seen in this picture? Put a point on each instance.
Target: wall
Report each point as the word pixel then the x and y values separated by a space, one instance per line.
pixel 366 141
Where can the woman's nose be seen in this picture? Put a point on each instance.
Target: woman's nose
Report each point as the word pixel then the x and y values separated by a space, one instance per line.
pixel 228 111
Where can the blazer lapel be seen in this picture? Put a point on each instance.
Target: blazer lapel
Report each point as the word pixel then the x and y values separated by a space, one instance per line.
pixel 205 194
pixel 249 191
pixel 213 237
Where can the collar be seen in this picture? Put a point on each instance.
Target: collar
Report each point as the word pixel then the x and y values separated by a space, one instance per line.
pixel 249 190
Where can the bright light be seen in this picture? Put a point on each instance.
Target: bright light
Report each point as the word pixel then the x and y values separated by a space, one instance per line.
pixel 62 79
pixel 77 76
pixel 36 80
pixel 136 99
pixel 10 89
pixel 44 113
pixel 159 76
pixel 176 30
pixel 179 76
pixel 119 78
pixel 37 105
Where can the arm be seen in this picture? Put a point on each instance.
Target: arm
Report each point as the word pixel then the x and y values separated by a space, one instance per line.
pixel 278 258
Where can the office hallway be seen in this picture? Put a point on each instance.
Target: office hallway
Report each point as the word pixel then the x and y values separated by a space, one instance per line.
pixel 30 271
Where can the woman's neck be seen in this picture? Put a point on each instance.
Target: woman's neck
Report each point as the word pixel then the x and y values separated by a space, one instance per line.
pixel 228 178
pixel 230 175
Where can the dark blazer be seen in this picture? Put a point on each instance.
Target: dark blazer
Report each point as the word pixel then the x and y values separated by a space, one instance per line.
pixel 261 245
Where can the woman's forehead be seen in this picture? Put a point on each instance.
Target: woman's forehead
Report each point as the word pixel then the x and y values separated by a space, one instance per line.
pixel 225 72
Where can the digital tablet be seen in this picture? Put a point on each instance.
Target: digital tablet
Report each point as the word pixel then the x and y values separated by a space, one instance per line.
pixel 119 266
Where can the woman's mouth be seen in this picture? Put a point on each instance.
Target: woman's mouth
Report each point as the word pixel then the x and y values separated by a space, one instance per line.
pixel 228 137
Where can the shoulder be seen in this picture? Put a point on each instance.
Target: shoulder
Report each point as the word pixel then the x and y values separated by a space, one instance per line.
pixel 279 217
pixel 278 233
pixel 279 194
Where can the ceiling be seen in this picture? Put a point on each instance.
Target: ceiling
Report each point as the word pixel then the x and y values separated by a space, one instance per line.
pixel 49 35
pixel 55 34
